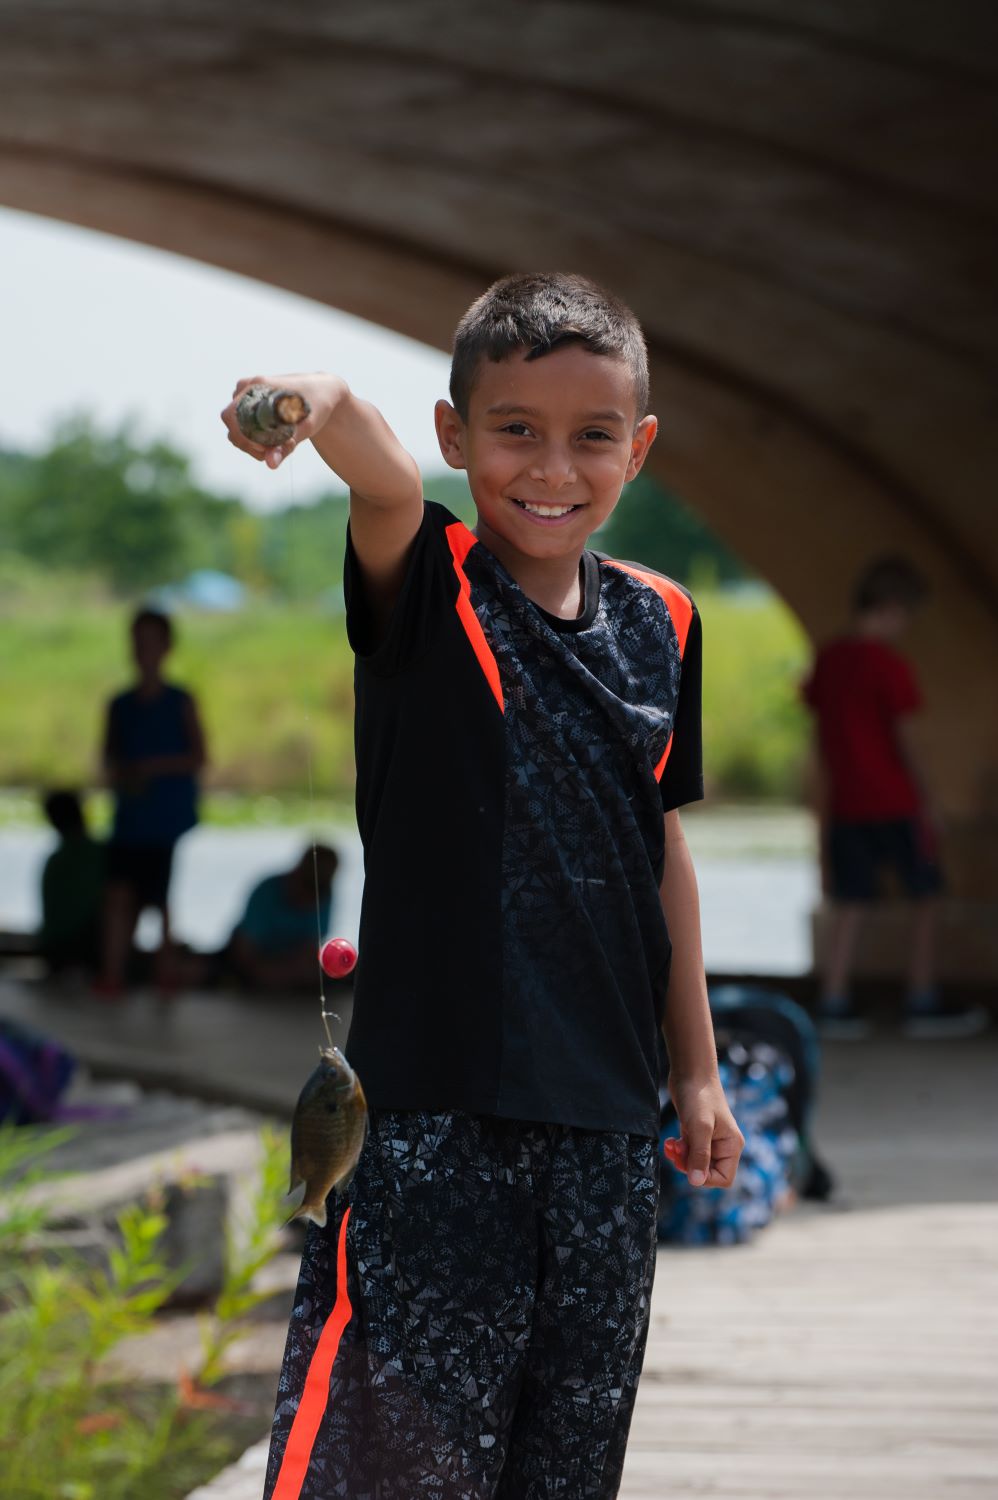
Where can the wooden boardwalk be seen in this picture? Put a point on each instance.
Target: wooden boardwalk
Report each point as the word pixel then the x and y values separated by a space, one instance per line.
pixel 846 1357
pixel 850 1353
pixel 847 1354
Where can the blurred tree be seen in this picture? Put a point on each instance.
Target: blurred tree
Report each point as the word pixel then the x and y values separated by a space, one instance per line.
pixel 245 538
pixel 99 502
pixel 132 514
pixel 302 547
pixel 15 476
pixel 651 526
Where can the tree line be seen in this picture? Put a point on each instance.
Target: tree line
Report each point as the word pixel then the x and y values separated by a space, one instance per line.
pixel 132 515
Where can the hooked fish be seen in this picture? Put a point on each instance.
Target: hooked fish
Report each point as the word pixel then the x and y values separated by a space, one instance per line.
pixel 328 1132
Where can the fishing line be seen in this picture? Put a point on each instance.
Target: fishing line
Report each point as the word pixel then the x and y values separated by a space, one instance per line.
pixel 326 1015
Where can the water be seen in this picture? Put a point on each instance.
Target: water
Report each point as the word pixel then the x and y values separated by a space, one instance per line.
pixel 757 874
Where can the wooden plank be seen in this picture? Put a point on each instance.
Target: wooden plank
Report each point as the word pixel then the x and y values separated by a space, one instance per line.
pixel 843 1356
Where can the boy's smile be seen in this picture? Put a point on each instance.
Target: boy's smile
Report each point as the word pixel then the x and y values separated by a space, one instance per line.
pixel 548 445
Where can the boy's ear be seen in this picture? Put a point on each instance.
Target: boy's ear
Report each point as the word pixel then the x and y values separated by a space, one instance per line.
pixel 644 436
pixel 450 434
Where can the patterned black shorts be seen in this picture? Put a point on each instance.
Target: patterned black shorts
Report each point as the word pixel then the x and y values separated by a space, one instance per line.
pixel 470 1324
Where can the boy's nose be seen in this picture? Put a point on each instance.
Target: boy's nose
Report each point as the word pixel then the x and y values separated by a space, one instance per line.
pixel 554 468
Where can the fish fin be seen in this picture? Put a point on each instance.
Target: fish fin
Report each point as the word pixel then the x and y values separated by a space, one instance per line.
pixel 344 1182
pixel 298 1186
pixel 316 1213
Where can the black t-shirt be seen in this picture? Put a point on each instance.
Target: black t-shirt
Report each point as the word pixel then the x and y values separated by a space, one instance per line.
pixel 512 773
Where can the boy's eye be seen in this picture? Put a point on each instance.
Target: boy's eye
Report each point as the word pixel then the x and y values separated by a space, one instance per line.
pixel 597 435
pixel 518 429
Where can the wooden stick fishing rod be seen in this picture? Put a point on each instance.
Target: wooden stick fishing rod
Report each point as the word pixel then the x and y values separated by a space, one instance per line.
pixel 268 416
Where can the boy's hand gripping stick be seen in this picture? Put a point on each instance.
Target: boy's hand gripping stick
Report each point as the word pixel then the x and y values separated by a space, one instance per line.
pixel 268 416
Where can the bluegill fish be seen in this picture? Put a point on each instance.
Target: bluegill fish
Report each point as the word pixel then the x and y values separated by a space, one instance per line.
pixel 328 1132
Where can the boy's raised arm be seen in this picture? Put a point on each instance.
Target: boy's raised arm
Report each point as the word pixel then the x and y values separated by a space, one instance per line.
pixel 353 438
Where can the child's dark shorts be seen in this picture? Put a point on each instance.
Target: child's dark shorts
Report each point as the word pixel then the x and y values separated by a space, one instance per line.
pixel 144 868
pixel 861 854
pixel 470 1324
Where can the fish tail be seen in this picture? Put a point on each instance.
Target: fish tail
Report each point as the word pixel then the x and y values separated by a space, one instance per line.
pixel 316 1212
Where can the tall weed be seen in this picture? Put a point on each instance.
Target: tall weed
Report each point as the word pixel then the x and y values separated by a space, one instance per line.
pixel 67 1431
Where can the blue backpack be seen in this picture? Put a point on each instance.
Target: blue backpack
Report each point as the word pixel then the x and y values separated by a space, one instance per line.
pixel 768 1060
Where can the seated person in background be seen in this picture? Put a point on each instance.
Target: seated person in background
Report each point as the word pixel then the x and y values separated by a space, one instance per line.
pixel 276 943
pixel 72 888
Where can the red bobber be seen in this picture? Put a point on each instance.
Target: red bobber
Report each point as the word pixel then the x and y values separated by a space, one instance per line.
pixel 338 958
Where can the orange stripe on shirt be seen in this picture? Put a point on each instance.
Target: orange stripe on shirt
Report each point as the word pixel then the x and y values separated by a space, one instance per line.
pixel 460 540
pixel 315 1396
pixel 680 612
pixel 676 602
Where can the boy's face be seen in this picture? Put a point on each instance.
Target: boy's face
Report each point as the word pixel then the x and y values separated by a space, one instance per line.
pixel 548 445
pixel 889 622
pixel 149 647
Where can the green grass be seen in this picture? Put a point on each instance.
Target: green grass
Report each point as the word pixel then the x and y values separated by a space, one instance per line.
pixel 275 688
pixel 755 727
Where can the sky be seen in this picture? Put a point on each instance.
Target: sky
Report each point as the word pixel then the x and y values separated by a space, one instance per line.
pixel 93 323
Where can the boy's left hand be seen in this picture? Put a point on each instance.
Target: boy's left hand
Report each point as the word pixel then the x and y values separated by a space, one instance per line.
pixel 711 1143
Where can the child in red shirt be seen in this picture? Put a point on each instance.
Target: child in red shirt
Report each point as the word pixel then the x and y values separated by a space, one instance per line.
pixel 877 814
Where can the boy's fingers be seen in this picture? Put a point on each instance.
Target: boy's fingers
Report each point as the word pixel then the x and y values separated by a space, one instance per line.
pixel 244 447
pixel 275 456
pixel 724 1163
pixel 237 437
pixel 698 1164
pixel 722 1173
pixel 247 380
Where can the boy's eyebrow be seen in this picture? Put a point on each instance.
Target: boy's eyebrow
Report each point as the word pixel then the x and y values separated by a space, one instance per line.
pixel 504 409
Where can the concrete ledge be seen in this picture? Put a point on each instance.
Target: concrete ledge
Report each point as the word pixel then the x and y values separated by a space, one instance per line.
pixel 240 1481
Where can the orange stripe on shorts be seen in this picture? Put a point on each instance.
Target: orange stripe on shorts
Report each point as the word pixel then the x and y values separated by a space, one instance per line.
pixel 315 1396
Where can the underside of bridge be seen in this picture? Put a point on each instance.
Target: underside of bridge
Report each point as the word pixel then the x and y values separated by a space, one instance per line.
pixel 796 196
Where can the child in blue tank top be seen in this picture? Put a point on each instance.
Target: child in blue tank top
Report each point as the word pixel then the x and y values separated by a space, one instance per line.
pixel 153 751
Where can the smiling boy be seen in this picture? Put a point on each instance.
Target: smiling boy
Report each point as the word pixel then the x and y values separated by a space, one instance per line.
pixel 471 1321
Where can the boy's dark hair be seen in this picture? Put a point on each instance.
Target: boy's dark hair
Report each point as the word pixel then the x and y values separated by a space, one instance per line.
pixel 65 812
pixel 155 617
pixel 889 580
pixel 541 311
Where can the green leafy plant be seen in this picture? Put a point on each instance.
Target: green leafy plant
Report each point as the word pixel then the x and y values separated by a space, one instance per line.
pixel 249 1248
pixel 68 1430
pixel 22 1212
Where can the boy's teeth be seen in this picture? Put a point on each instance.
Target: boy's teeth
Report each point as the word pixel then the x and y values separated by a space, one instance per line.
pixel 547 510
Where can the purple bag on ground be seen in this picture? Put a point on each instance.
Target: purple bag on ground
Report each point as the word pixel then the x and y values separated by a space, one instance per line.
pixel 34 1073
